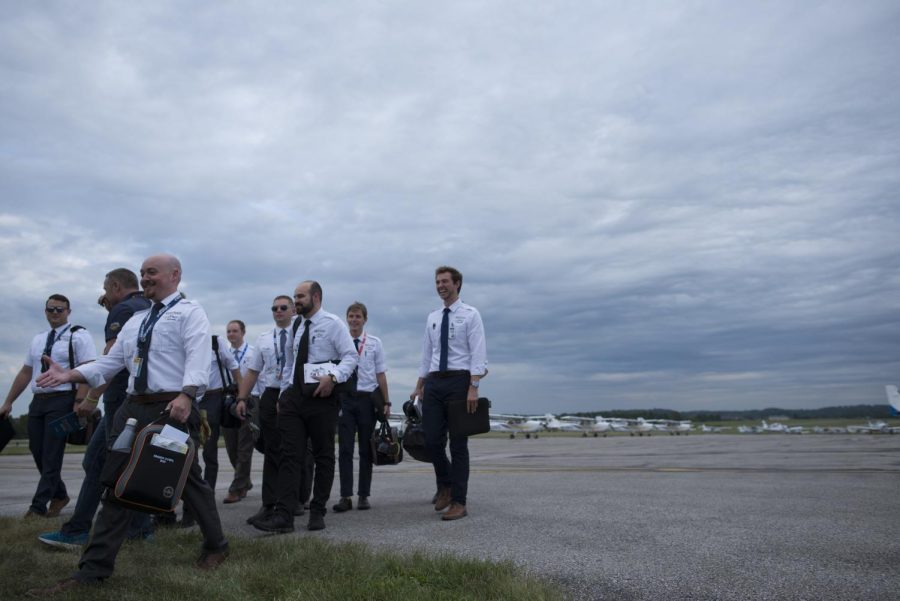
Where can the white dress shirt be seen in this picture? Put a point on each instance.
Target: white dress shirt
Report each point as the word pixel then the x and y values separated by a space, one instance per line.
pixel 244 355
pixel 179 354
pixel 371 362
pixel 329 340
pixel 466 347
pixel 83 350
pixel 228 363
pixel 266 361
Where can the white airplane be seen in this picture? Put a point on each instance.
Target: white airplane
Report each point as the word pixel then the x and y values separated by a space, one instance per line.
pixel 673 427
pixel 639 426
pixel 597 425
pixel 705 428
pixel 893 395
pixel 552 424
pixel 517 424
pixel 871 427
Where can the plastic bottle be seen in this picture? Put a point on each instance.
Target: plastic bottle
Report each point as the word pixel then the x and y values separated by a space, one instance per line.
pixel 126 436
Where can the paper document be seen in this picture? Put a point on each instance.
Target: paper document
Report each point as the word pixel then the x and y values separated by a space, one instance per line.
pixel 313 371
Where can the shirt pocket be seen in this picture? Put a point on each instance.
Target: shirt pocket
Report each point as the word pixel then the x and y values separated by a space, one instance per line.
pixel 165 336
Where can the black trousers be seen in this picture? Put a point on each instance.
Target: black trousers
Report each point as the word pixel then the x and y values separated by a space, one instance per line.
pixel 111 526
pixel 268 424
pixel 303 418
pixel 357 419
pixel 453 472
pixel 46 449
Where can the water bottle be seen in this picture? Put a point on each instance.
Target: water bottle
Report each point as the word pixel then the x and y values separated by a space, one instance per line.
pixel 126 436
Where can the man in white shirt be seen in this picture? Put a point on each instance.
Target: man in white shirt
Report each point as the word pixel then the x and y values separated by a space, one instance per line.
pixel 50 402
pixel 166 350
pixel 454 359
pixel 265 369
pixel 323 358
pixel 359 409
pixel 239 441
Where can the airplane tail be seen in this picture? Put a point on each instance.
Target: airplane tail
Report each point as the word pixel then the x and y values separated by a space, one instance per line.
pixel 893 396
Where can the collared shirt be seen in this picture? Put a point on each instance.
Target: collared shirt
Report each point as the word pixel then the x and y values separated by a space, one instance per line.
pixel 329 340
pixel 179 354
pixel 82 346
pixel 265 360
pixel 466 347
pixel 371 362
pixel 118 316
pixel 245 354
pixel 228 363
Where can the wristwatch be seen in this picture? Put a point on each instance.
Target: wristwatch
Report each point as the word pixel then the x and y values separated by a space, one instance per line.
pixel 333 379
pixel 475 383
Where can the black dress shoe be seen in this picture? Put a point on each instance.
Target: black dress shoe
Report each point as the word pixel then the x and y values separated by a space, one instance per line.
pixel 298 511
pixel 264 512
pixel 187 521
pixel 278 523
pixel 316 522
pixel 363 503
pixel 345 504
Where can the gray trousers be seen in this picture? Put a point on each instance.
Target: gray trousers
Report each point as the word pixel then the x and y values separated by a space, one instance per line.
pixel 239 444
pixel 111 526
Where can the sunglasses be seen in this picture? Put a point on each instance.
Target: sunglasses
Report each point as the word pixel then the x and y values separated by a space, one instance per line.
pixel 55 309
pixel 280 308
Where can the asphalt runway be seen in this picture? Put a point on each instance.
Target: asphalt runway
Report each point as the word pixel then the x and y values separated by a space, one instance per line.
pixel 696 517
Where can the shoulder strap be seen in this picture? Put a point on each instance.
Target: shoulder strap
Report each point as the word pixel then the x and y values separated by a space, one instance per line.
pixel 72 331
pixel 222 372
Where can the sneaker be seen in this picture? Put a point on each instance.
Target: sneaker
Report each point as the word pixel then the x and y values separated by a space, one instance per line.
pixel 278 523
pixel 70 542
pixel 56 506
pixel 264 513
pixel 316 522
pixel 343 505
pixel 363 503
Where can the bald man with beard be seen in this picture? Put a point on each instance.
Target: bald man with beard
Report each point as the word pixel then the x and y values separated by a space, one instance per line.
pixel 167 352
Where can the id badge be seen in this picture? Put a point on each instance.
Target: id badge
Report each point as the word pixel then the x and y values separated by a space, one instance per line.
pixel 136 366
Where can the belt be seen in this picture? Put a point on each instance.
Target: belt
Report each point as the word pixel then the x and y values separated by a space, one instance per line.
pixel 278 388
pixel 450 373
pixel 213 390
pixel 47 395
pixel 149 399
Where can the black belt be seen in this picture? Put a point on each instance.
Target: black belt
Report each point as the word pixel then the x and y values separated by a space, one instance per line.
pixel 149 399
pixel 450 373
pixel 276 388
pixel 47 395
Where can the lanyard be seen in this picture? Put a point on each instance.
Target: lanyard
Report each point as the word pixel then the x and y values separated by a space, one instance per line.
pixel 147 324
pixel 362 345
pixel 242 352
pixel 279 352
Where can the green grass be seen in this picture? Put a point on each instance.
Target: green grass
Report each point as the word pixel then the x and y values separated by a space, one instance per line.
pixel 271 568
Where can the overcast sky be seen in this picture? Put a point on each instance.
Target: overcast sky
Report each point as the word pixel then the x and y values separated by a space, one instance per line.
pixel 690 205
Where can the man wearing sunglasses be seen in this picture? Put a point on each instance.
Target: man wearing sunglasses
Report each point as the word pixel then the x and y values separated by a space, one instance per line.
pixel 265 366
pixel 51 402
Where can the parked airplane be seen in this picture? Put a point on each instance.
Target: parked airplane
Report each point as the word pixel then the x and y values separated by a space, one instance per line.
pixel 597 425
pixel 517 424
pixel 552 424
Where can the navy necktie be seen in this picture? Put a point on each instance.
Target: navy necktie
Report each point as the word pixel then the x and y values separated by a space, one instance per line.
pixel 302 355
pixel 48 348
pixel 237 355
pixel 140 381
pixel 445 339
pixel 282 340
pixel 356 344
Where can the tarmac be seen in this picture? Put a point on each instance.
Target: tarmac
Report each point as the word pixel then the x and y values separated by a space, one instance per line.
pixel 663 517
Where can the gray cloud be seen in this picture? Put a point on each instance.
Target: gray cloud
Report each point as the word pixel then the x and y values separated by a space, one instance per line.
pixel 688 206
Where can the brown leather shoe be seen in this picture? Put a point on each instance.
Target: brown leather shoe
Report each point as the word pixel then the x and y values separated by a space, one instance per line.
pixel 56 506
pixel 210 560
pixel 233 497
pixel 60 587
pixel 443 499
pixel 456 511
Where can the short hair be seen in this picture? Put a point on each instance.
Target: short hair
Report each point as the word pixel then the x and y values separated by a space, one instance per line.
pixel 284 296
pixel 58 297
pixel 314 288
pixel 358 306
pixel 240 323
pixel 124 277
pixel 455 275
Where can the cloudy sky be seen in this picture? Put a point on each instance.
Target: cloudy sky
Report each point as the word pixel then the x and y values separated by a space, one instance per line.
pixel 690 205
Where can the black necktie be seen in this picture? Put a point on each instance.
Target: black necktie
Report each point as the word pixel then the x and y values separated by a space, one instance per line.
pixel 282 339
pixel 445 339
pixel 140 381
pixel 302 355
pixel 356 344
pixel 237 355
pixel 48 348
